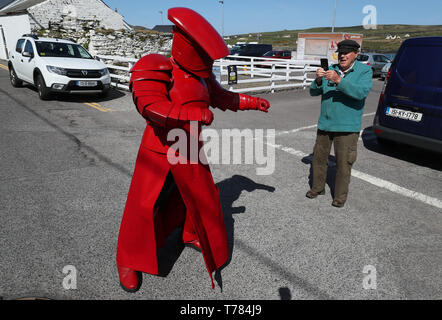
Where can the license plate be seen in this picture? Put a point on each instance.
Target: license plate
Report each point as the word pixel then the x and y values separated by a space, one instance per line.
pixel 403 114
pixel 87 83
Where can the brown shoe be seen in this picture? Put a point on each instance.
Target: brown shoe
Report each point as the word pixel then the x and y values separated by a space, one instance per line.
pixel 311 194
pixel 338 203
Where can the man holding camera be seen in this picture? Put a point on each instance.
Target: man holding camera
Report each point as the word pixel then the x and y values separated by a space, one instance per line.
pixel 344 88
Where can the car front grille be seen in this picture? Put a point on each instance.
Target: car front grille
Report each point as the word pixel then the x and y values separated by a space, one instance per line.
pixel 82 73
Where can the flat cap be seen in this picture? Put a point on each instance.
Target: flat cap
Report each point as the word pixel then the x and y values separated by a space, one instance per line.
pixel 346 46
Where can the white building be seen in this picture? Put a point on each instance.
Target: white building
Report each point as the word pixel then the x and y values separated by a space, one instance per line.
pixel 18 17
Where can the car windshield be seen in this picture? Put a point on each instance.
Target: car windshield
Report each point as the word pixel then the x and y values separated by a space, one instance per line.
pixel 270 54
pixel 362 57
pixel 61 50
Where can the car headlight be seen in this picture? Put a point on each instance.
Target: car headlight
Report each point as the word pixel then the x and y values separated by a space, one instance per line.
pixel 104 72
pixel 57 70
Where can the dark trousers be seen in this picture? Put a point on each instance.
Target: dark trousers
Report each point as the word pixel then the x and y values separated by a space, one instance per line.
pixel 345 146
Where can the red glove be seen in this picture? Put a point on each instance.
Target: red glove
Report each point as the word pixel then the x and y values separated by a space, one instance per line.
pixel 253 103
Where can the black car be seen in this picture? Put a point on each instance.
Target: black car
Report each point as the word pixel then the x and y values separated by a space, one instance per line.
pixel 254 50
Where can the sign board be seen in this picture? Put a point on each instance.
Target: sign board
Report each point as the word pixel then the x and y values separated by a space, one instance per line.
pixel 314 46
pixel 232 75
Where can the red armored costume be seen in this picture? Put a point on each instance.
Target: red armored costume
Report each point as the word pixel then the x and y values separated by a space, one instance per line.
pixel 169 94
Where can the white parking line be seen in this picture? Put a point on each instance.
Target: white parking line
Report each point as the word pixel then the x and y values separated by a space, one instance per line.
pixel 281 133
pixel 374 180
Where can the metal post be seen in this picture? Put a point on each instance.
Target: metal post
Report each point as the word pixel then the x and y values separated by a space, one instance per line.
pixel 252 67
pixel 287 71
pixel 4 42
pixel 222 25
pixel 334 16
pixel 304 81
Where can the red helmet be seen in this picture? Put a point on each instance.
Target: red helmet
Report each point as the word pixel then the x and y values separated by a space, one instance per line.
pixel 196 44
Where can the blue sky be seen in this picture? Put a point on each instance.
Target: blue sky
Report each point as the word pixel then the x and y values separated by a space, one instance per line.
pixel 243 16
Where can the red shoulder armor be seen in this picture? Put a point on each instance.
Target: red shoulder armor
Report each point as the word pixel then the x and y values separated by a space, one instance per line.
pixel 153 62
pixel 151 67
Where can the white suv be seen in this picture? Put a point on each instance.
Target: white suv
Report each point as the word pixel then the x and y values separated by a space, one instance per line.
pixel 56 65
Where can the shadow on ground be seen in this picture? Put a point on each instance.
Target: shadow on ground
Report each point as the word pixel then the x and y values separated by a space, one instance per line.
pixel 113 94
pixel 229 191
pixel 331 172
pixel 402 152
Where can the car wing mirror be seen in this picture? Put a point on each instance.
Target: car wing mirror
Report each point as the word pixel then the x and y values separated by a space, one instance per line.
pixel 27 54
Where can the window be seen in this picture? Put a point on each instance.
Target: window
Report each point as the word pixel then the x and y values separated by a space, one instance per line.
pixel 362 57
pixel 28 47
pixel 377 58
pixel 19 46
pixel 421 65
pixel 63 50
pixel 385 59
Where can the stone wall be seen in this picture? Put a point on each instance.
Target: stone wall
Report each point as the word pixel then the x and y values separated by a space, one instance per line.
pixel 74 14
pixel 95 26
pixel 129 44
pixel 121 43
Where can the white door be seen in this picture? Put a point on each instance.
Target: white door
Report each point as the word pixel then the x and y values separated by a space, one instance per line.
pixel 28 63
pixel 15 57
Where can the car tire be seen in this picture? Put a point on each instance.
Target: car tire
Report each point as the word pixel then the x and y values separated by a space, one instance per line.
pixel 43 92
pixel 104 93
pixel 15 81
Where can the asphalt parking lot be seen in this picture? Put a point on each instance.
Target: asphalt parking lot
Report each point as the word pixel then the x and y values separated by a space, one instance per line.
pixel 66 166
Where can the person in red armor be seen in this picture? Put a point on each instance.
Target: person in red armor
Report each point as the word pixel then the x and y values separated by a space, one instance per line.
pixel 169 94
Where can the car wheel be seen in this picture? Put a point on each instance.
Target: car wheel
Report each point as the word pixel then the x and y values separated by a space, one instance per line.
pixel 43 91
pixel 15 81
pixel 104 93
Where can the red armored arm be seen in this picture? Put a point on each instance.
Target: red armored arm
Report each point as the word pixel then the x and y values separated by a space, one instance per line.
pixel 223 99
pixel 150 84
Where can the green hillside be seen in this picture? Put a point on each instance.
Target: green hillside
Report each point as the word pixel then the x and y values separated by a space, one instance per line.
pixel 374 40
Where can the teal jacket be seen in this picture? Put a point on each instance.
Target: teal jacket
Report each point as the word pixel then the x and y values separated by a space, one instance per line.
pixel 342 106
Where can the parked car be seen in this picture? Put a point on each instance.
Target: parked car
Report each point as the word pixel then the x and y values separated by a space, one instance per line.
pixel 375 60
pixel 56 65
pixel 410 104
pixel 390 56
pixel 278 54
pixel 235 49
pixel 385 70
pixel 254 50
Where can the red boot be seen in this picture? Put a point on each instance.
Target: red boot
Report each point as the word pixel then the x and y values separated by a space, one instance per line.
pixel 130 280
pixel 190 238
pixel 191 241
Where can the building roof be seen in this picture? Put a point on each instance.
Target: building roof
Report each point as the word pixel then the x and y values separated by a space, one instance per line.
pixel 4 3
pixel 163 28
pixel 15 6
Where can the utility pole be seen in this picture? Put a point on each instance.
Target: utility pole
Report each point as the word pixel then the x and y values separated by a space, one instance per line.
pixel 222 25
pixel 162 20
pixel 334 16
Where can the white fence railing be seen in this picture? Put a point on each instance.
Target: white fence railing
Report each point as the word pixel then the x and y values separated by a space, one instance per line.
pixel 272 72
pixel 119 68
pixel 275 73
